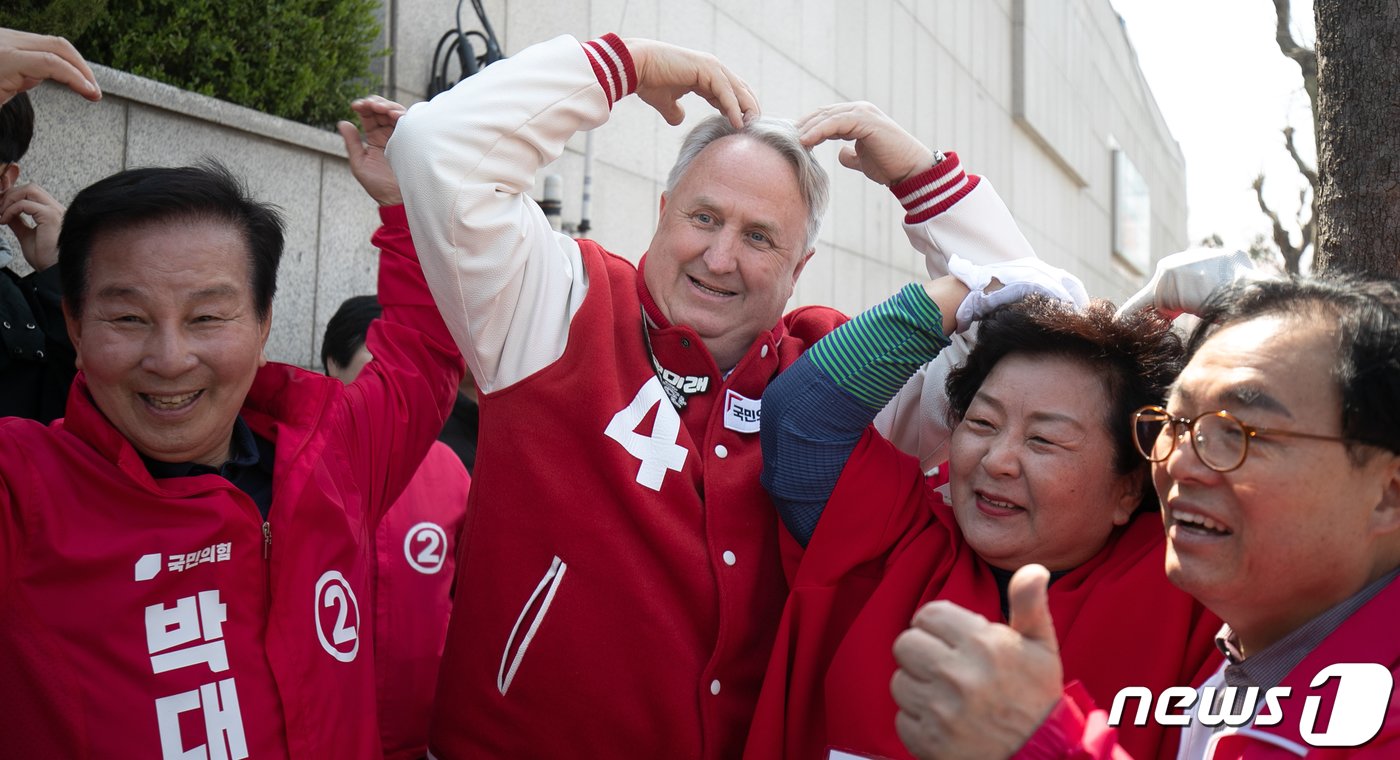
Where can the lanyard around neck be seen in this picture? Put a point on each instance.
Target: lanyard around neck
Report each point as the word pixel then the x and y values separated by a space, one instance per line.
pixel 677 387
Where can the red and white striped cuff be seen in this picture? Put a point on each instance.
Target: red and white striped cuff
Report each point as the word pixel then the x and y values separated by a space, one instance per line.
pixel 935 190
pixel 612 64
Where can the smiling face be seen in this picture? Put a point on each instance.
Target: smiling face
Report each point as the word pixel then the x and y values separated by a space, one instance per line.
pixel 1299 526
pixel 169 338
pixel 1033 475
pixel 730 245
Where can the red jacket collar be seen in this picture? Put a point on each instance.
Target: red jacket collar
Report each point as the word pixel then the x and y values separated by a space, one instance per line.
pixel 1361 638
pixel 83 419
pixel 283 399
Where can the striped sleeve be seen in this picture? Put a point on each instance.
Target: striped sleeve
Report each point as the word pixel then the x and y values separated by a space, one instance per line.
pixel 935 190
pixel 612 64
pixel 875 354
pixel 810 427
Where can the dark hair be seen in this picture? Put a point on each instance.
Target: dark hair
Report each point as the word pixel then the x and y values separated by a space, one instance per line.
pixel 1135 356
pixel 1366 369
pixel 138 197
pixel 16 128
pixel 346 331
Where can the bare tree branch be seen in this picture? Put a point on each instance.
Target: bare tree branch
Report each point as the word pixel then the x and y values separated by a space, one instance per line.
pixel 1307 196
pixel 1309 230
pixel 1307 200
pixel 1291 254
pixel 1306 58
pixel 1308 172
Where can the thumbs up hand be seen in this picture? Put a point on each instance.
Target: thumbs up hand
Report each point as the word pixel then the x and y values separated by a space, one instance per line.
pixel 1029 594
pixel 968 687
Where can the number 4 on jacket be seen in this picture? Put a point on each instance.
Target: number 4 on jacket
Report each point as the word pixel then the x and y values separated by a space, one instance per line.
pixel 658 451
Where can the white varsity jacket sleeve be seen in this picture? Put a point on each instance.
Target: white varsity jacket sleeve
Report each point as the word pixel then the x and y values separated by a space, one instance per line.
pixel 947 212
pixel 507 284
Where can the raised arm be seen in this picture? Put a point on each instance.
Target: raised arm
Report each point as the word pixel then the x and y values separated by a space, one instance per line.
pixel 396 407
pixel 815 412
pixel 948 213
pixel 1185 281
pixel 465 161
pixel 28 59
pixel 508 285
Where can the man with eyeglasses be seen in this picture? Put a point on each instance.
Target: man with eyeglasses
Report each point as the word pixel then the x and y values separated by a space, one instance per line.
pixel 1277 460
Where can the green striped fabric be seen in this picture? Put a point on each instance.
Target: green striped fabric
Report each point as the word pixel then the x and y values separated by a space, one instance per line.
pixel 875 354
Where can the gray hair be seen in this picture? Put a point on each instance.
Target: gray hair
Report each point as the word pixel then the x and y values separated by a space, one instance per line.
pixel 778 134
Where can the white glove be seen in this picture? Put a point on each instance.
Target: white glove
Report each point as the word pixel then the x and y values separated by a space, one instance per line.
pixel 1019 278
pixel 1184 281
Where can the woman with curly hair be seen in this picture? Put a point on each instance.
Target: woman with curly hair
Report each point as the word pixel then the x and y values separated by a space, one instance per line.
pixel 1042 469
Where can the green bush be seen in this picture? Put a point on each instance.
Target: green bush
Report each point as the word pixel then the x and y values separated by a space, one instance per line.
pixel 299 59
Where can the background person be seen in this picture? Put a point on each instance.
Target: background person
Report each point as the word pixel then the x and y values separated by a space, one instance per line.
pixel 415 545
pixel 463 424
pixel 415 549
pixel 36 357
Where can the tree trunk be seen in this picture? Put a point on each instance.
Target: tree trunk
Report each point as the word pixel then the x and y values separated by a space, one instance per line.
pixel 1358 116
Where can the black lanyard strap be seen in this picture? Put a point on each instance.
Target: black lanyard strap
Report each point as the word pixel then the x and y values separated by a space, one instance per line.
pixel 677 387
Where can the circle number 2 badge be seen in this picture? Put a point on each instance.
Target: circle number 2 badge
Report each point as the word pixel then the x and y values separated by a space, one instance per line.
pixel 425 546
pixel 337 616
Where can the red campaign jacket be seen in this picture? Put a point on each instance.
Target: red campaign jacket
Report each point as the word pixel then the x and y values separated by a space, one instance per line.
pixel 146 618
pixel 886 545
pixel 1077 729
pixel 415 564
pixel 623 570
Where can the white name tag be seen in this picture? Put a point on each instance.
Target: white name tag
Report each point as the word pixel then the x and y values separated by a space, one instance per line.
pixel 741 414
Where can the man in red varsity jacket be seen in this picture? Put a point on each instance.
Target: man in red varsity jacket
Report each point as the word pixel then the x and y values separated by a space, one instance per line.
pixel 623 561
pixel 183 558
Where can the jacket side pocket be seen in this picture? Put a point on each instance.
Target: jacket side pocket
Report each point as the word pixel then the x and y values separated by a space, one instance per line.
pixel 547 587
